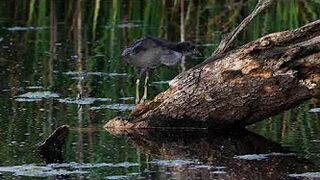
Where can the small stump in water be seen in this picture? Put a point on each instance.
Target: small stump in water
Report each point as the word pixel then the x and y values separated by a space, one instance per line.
pixel 51 149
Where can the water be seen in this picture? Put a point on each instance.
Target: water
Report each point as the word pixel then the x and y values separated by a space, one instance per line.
pixel 63 67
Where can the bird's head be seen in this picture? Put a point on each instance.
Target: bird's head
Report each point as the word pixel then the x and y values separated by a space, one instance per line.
pixel 187 48
pixel 126 52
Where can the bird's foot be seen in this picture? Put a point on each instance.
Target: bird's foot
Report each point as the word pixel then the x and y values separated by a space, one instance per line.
pixel 142 99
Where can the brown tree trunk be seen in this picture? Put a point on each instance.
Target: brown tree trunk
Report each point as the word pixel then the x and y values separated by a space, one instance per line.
pixel 241 87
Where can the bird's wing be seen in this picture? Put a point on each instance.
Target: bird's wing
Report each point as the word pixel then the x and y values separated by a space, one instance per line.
pixel 170 58
pixel 148 42
pixel 163 42
pixel 140 45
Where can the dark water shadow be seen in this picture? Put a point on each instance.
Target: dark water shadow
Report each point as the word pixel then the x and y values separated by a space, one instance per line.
pixel 240 155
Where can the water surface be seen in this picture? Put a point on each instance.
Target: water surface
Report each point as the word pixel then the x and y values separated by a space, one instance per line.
pixel 60 64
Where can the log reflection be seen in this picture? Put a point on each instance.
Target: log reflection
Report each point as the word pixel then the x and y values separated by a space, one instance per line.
pixel 219 150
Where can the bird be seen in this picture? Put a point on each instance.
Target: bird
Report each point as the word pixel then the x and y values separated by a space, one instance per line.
pixel 148 53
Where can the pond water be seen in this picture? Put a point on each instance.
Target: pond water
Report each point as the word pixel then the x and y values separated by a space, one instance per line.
pixel 60 64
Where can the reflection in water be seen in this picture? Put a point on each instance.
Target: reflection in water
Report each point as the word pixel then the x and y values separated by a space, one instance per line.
pixel 53 41
pixel 82 93
pixel 237 155
pixel 182 33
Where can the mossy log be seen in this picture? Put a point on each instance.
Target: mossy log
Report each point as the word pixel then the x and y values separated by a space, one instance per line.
pixel 258 80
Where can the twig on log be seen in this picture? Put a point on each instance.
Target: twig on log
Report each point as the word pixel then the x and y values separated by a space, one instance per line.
pixel 229 38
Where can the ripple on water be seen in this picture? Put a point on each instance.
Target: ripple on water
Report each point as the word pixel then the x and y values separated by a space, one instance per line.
pixel 74 165
pixel 83 101
pixel 36 96
pixel 118 107
pixel 25 28
pixel 173 163
pixel 116 177
pixel 126 25
pixel 306 175
pixel 126 98
pixel 262 156
pixel 27 100
pixel 315 110
pixel 32 170
pixel 35 87
pixel 158 83
pixel 75 73
pixel 252 157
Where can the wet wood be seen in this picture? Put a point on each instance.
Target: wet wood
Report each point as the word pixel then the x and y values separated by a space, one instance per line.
pixel 51 149
pixel 241 87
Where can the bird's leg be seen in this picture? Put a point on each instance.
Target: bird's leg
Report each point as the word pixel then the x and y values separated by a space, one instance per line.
pixel 145 92
pixel 137 91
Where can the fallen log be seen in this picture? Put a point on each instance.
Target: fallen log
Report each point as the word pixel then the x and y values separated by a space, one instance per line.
pixel 258 80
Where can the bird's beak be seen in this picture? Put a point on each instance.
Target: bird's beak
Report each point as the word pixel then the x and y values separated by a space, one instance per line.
pixel 196 52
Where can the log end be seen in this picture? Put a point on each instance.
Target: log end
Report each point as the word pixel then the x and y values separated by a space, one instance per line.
pixel 118 122
pixel 121 126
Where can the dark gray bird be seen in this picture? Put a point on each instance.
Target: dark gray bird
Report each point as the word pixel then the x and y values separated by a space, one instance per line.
pixel 148 53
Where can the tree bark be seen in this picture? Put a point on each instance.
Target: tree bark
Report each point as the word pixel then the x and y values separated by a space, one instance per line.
pixel 241 87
